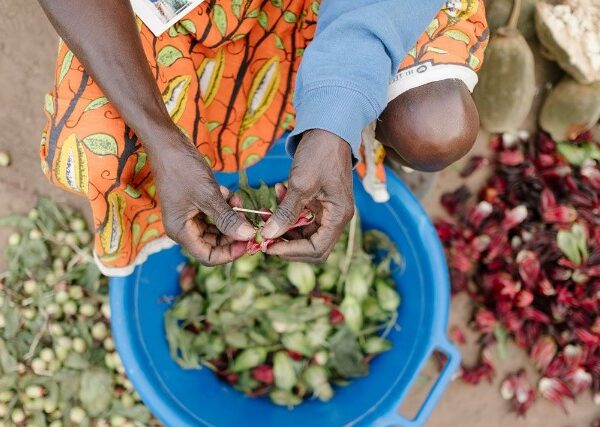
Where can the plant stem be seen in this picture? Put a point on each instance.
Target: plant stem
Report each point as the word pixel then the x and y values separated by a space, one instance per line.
pixel 514 15
pixel 251 211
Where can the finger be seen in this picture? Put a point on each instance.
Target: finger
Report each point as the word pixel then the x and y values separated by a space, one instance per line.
pixel 286 214
pixel 301 232
pixel 235 201
pixel 192 239
pixel 225 192
pixel 316 248
pixel 216 238
pixel 280 191
pixel 226 219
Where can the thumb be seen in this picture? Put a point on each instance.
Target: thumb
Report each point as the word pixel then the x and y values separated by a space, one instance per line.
pixel 286 214
pixel 227 220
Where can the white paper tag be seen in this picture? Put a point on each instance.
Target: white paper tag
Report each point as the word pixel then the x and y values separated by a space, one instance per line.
pixel 159 15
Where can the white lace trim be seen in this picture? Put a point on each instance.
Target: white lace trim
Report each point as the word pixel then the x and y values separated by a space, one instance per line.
pixel 151 248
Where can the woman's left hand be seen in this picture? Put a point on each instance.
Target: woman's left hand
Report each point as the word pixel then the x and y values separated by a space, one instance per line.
pixel 321 179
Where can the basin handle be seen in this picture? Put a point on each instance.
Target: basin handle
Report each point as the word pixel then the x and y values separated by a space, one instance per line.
pixel 445 376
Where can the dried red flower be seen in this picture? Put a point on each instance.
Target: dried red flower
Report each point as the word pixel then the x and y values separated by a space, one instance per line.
pixel 504 252
pixel 263 373
pixel 457 335
pixel 518 391
pixel 555 390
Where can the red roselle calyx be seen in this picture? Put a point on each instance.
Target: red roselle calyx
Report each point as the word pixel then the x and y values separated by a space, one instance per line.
pixel 516 389
pixel 504 251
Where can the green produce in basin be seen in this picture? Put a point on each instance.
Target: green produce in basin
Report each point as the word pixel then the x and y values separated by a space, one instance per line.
pixel 287 330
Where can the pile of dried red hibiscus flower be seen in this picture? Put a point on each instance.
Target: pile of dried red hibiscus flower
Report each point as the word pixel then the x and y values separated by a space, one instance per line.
pixel 527 252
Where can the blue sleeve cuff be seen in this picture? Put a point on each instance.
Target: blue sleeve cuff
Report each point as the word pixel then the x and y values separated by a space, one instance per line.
pixel 337 108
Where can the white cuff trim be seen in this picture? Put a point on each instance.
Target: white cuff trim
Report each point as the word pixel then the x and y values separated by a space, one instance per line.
pixel 427 72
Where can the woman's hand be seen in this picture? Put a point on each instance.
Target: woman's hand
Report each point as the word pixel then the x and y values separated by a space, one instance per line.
pixel 188 194
pixel 321 179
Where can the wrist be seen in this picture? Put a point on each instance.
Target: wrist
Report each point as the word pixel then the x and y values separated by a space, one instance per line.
pixel 328 143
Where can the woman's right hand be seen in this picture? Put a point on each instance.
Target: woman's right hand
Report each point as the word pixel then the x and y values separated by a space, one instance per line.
pixel 188 194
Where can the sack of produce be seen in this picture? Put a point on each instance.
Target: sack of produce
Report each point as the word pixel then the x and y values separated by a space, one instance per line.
pixel 570 109
pixel 506 85
pixel 498 13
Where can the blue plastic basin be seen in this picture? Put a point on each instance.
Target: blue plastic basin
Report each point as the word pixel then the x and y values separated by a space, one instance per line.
pixel 181 398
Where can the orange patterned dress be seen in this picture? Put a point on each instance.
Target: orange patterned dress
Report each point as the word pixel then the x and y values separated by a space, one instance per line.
pixel 226 72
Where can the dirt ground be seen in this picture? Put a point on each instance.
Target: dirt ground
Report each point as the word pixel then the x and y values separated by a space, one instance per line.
pixel 27 49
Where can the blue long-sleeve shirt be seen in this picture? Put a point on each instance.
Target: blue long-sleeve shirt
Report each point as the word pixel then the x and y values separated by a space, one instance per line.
pixel 342 82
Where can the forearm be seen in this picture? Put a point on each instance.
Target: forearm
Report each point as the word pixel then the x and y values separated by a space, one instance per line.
pixel 103 36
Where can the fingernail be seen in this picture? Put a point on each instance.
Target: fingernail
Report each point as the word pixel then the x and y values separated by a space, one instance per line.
pixel 270 229
pixel 238 249
pixel 235 201
pixel 246 231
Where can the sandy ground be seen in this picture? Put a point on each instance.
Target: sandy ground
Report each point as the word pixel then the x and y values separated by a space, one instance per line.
pixel 27 49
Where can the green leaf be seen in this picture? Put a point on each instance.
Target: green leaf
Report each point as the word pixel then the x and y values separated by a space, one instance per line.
pixel 315 5
pixel 12 319
pixel 432 27
pixel 151 233
pixel 136 231
pixel 289 17
pixel 579 234
pixel 49 103
pixel 346 355
pixel 235 7
pixel 96 391
pixel 69 384
pixel 277 3
pixel 96 103
pixel 141 161
pixel 457 35
pixel 473 61
pixel 571 153
pixel 152 218
pixel 253 13
pixel 436 50
pixel 186 26
pixel 8 362
pixel 279 42
pixel 66 64
pixel 76 361
pixel 212 125
pixel 132 192
pixel 101 144
pixel 220 18
pixel 248 141
pixel 283 371
pixel 501 341
pixel 168 55
pixel 568 245
pixel 251 160
pixel 263 19
pixel 173 31
pixel 591 150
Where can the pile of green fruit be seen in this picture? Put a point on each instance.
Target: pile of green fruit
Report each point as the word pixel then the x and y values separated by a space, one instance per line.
pixel 58 365
pixel 288 330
